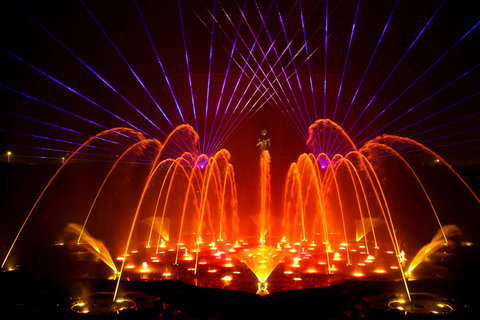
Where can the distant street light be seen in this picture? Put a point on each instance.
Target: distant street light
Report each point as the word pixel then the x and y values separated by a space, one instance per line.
pixel 9 153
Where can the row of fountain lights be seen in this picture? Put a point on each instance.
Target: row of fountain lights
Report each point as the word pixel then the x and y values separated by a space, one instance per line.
pixel 299 265
pixel 301 251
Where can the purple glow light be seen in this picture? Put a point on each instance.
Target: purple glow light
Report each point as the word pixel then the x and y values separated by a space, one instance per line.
pixel 294 67
pixel 207 150
pixel 239 123
pixel 396 66
pixel 160 62
pixel 209 76
pixel 72 90
pixel 343 72
pixel 416 80
pixel 130 68
pixel 363 77
pixel 95 73
pixel 291 119
pixel 250 83
pixel 283 69
pixel 325 78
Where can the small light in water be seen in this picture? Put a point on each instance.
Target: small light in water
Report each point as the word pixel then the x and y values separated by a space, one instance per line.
pixel 297 279
pixel 288 272
pixel 311 271
pixel 358 274
pixel 212 270
pixel 380 271
pixel 144 267
pixel 295 262
pixel 227 278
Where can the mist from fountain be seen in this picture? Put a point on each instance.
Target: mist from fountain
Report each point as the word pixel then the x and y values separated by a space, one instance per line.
pixel 431 251
pixel 93 245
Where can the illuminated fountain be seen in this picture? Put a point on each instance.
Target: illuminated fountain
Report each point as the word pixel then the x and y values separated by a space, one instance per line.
pixel 94 246
pixel 338 220
pixel 431 251
pixel 102 304
pixel 262 261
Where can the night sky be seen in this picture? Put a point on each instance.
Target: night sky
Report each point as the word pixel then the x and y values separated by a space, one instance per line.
pixel 62 38
pixel 70 69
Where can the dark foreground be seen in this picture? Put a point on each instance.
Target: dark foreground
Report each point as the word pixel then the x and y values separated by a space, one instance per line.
pixel 25 295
